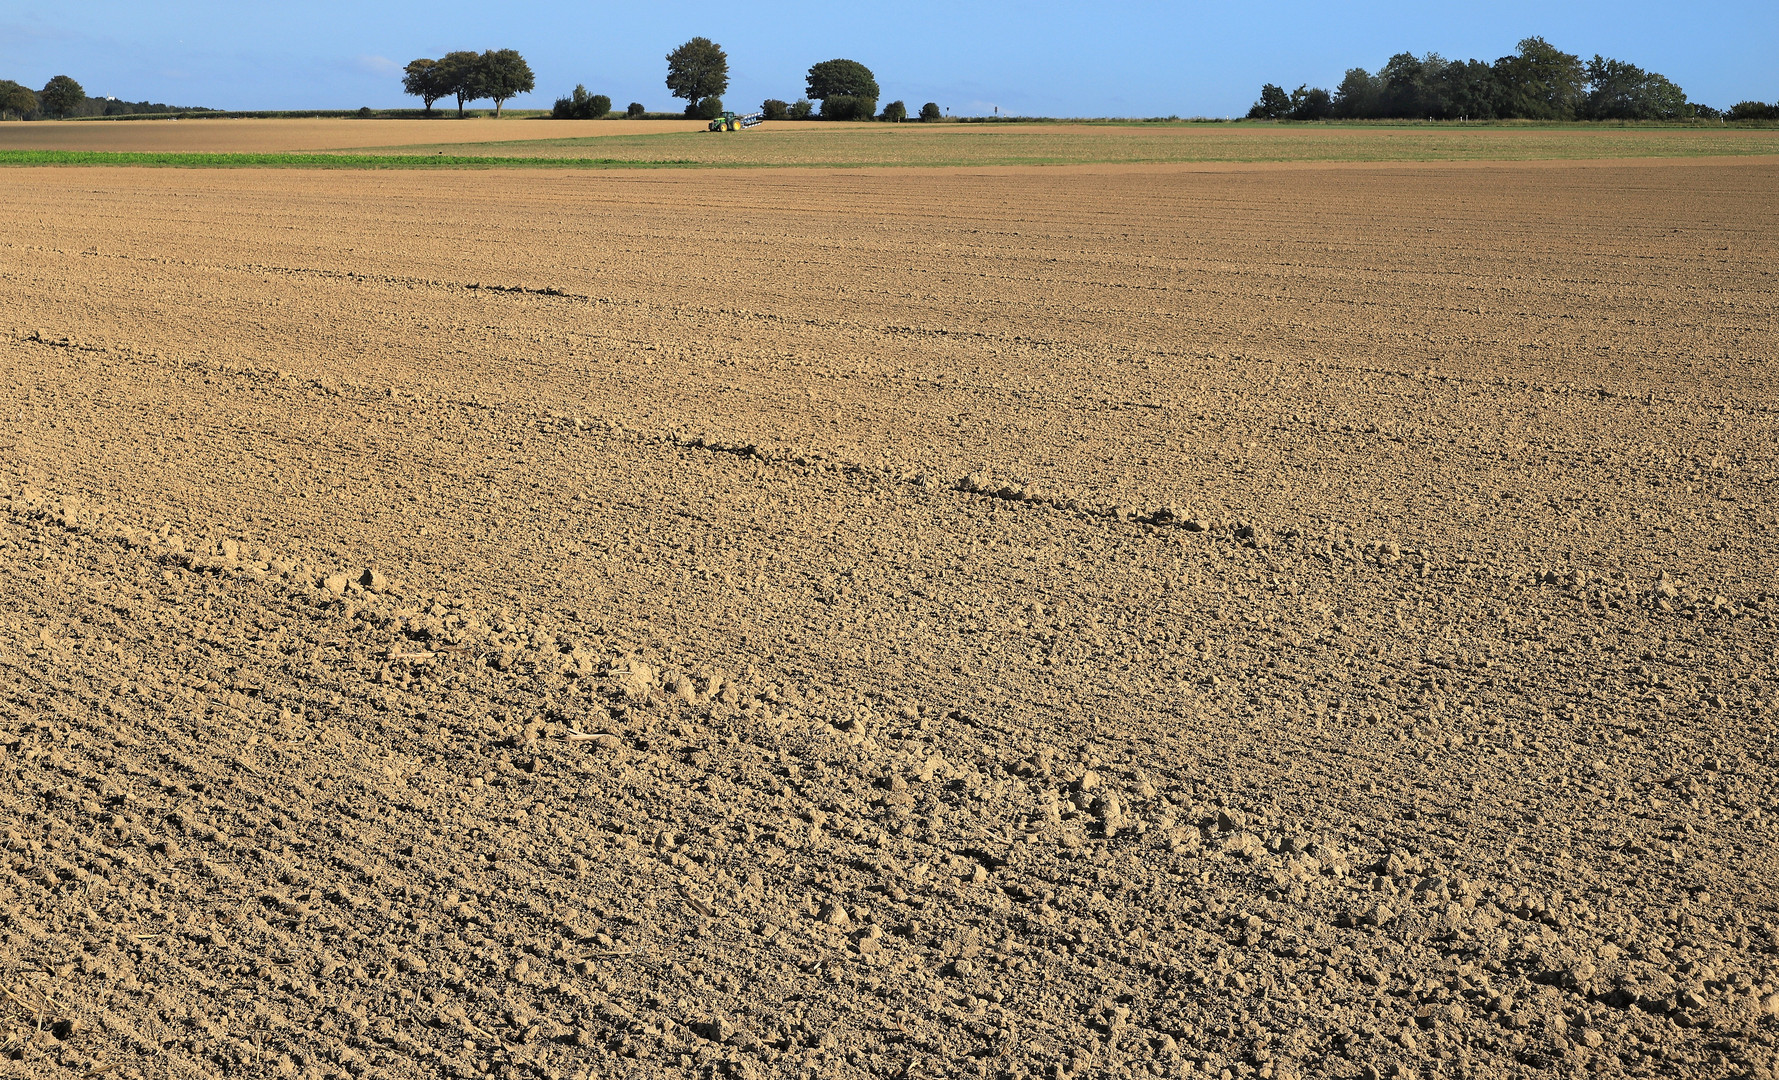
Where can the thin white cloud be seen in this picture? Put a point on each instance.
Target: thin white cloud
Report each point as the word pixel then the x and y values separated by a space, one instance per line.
pixel 377 65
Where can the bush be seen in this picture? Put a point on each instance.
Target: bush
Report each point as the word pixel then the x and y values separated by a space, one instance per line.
pixel 800 110
pixel 773 109
pixel 634 110
pixel 895 112
pixel 930 111
pixel 705 108
pixel 581 105
pixel 1752 110
pixel 848 107
pixel 364 110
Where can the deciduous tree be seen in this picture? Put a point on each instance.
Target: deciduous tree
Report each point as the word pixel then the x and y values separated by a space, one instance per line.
pixel 60 96
pixel 1621 91
pixel 15 98
pixel 697 70
pixel 1540 82
pixel 846 89
pixel 460 74
pixel 505 75
pixel 423 79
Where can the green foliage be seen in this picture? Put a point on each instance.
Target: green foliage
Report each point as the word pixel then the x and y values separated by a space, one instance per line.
pixel 895 112
pixel 847 107
pixel 1621 91
pixel 15 98
pixel 773 109
pixel 1540 82
pixel 799 110
pixel 61 96
pixel 1537 82
pixel 707 109
pixel 1311 104
pixel 1752 110
pixel 842 78
pixel 460 76
pixel 581 105
pixel 634 110
pixel 930 111
pixel 1274 104
pixel 425 80
pixel 505 75
pixel 698 71
pixel 1358 95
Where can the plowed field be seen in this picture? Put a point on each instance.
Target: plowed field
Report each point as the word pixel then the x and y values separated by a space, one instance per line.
pixel 1093 622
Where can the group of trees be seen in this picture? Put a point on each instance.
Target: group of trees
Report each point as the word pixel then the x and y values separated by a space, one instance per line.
pixel 62 97
pixel 498 75
pixel 698 73
pixel 1537 82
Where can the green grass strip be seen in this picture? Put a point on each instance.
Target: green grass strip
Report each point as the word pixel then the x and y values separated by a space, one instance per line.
pixel 320 161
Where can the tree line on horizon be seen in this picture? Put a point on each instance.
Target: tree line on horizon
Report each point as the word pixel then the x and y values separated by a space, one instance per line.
pixel 1537 81
pixel 698 73
pixel 62 98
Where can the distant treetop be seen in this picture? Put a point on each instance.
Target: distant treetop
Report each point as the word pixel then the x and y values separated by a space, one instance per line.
pixel 1538 81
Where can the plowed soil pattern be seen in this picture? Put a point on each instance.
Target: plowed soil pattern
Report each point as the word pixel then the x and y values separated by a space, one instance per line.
pixel 1067 623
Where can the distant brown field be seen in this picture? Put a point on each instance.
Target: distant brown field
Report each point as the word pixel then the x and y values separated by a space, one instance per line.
pixel 259 136
pixel 850 145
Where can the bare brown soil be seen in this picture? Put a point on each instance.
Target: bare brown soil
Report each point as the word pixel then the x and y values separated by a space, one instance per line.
pixel 1064 623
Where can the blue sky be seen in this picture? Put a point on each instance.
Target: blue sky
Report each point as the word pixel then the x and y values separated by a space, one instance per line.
pixel 1107 59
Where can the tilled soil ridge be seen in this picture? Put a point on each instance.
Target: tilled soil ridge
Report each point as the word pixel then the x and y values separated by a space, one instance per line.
pixel 1091 624
pixel 273 817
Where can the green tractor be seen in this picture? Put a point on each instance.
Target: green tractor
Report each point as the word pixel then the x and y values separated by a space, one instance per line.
pixel 736 121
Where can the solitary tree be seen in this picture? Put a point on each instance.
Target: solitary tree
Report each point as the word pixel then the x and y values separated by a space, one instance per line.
pixel 930 111
pixel 634 111
pixel 460 76
pixel 846 89
pixel 425 80
pixel 16 99
pixel 698 71
pixel 895 112
pixel 60 96
pixel 505 74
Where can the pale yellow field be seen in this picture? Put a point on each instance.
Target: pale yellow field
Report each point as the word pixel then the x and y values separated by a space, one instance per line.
pixel 271 136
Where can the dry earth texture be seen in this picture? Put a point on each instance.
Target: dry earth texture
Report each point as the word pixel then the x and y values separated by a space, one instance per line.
pixel 1064 623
